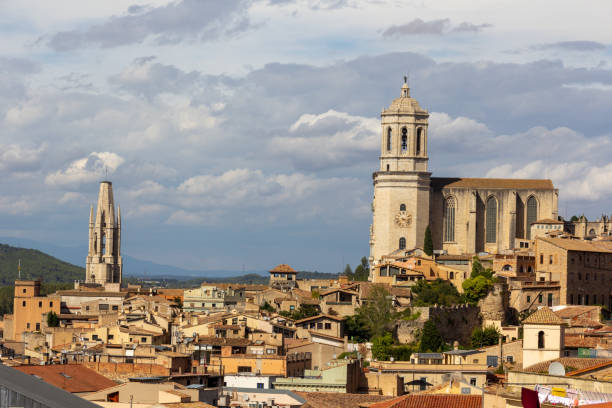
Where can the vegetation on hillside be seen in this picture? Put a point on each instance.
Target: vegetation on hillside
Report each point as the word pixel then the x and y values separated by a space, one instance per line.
pixel 438 292
pixel 480 282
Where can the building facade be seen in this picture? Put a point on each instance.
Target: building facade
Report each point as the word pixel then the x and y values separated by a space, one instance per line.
pixel 104 263
pixel 465 215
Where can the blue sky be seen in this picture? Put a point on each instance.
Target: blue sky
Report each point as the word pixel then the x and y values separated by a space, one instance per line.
pixel 245 132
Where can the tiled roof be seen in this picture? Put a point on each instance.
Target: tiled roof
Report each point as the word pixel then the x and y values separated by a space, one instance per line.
pixel 570 312
pixel 73 378
pixel 579 245
pixel 570 364
pixel 219 341
pixel 338 400
pixel 492 183
pixel 580 341
pixel 543 316
pixel 339 319
pixel 283 268
pixel 432 401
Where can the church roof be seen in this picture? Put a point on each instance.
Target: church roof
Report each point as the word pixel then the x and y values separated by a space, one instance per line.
pixel 405 104
pixel 491 183
pixel 284 268
pixel 544 316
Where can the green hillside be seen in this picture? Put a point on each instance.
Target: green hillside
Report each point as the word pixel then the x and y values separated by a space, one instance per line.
pixel 35 264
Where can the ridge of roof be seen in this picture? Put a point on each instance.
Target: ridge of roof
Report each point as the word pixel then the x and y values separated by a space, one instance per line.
pixel 544 315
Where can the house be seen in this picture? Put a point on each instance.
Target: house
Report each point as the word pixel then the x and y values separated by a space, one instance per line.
pixel 283 277
pixel 543 337
pixel 336 376
pixel 340 301
pixel 322 324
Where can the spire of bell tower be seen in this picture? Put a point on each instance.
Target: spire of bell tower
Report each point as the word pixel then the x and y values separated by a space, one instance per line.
pixel 405 88
pixel 104 263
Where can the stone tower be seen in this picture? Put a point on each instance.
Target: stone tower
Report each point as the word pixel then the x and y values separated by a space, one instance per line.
pixel 104 263
pixel 401 185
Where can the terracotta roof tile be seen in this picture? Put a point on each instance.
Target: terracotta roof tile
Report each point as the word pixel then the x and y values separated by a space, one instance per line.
pixel 283 268
pixel 570 312
pixel 543 316
pixel 579 245
pixel 338 400
pixel 432 401
pixel 73 378
pixel 570 364
pixel 492 183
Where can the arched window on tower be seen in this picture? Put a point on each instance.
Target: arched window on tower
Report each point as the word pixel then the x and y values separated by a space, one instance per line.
pixel 419 139
pixel 389 139
pixel 491 222
pixel 402 207
pixel 449 219
pixel 540 339
pixel 402 243
pixel 532 214
pixel 404 139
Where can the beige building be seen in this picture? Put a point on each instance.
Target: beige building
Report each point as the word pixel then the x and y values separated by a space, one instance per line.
pixel 29 309
pixel 104 263
pixel 543 337
pixel 466 215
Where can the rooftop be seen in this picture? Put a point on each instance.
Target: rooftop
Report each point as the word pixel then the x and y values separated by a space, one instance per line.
pixel 579 245
pixel 338 400
pixel 491 183
pixel 283 268
pixel 432 401
pixel 544 316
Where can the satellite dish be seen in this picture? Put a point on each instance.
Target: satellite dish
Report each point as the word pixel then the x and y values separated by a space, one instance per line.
pixel 556 368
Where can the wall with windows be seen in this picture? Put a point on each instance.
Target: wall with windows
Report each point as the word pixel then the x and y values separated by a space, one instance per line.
pixel 30 309
pixel 542 342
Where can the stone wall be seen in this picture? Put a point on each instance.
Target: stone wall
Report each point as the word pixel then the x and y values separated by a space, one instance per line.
pixel 493 307
pixel 455 323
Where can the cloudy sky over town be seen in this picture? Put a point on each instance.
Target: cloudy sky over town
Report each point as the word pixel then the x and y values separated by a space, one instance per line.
pixel 243 132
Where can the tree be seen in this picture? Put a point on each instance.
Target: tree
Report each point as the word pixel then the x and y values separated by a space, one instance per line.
pixel 476 288
pixel 438 292
pixel 348 271
pixel 428 242
pixel 179 303
pixel 362 271
pixel 381 347
pixel 479 270
pixel 356 329
pixel 52 319
pixel 377 313
pixel 431 340
pixel 489 336
pixel 267 307
pixel 574 218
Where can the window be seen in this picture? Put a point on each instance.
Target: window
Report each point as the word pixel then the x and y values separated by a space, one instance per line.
pixel 473 381
pixel 402 207
pixel 111 336
pixel 115 307
pixel 540 298
pixel 28 325
pixel 404 139
pixel 449 219
pixel 451 275
pixel 571 299
pixel 320 326
pixel 491 221
pixel 586 276
pixel 423 383
pixel 528 299
pixel 312 325
pixel 532 214
pixel 541 340
pixel 327 326
pixel 402 243
pixel 37 326
pixel 594 299
pixel 541 259
pixel 244 369
pixel 24 290
pixel 579 299
pixel 586 299
pixel 550 299
pixel 579 275
pixel 389 133
pixel 23 303
pixel 550 259
pixel 419 138
pixel 292 308
pixel 50 304
pixel 261 385
pixel 39 303
pixel 387 167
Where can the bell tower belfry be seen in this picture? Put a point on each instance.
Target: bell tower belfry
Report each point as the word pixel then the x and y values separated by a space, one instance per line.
pixel 104 263
pixel 401 185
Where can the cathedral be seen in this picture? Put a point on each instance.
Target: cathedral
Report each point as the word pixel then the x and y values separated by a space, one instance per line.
pixel 104 264
pixel 465 215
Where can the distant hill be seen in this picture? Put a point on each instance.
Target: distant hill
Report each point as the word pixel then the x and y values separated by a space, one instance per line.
pixel 35 264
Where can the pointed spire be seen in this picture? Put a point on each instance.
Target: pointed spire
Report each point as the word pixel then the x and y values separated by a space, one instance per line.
pixel 91 215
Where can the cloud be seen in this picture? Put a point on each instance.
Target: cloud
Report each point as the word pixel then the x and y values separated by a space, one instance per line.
pixel 341 140
pixel 571 46
pixel 16 158
pixel 418 26
pixel 87 169
pixel 168 24
pixel 433 27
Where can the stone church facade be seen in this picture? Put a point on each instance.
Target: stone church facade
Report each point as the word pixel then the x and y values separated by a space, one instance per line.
pixel 465 215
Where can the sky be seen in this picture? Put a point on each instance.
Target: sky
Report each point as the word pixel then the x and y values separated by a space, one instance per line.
pixel 241 134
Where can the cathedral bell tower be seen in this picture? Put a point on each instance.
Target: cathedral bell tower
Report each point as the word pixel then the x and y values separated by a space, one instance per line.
pixel 104 263
pixel 401 185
